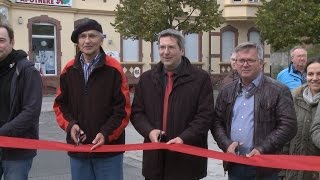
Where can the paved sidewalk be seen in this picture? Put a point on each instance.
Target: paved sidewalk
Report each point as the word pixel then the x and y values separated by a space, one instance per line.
pixel 47 103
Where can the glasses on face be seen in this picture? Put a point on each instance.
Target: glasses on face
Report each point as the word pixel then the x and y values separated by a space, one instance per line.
pixel 248 61
pixel 90 36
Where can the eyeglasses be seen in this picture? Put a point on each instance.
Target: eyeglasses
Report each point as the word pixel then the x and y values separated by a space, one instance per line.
pixel 248 61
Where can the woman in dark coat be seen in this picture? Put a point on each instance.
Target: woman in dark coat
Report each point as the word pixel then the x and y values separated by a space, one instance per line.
pixel 306 100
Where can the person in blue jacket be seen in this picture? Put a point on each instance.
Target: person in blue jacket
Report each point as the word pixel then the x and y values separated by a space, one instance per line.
pixel 294 75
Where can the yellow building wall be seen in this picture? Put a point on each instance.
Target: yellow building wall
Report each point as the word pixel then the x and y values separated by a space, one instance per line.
pixel 205 50
pixel 146 55
pixel 67 23
pixel 104 13
pixel 109 5
pixel 215 49
pixel 22 34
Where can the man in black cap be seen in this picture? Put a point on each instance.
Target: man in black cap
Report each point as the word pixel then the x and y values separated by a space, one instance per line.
pixel 93 105
pixel 20 105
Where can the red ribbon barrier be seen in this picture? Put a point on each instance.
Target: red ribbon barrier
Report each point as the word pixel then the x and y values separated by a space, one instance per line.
pixel 308 163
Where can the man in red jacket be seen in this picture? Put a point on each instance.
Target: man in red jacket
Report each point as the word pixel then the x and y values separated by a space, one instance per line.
pixel 93 105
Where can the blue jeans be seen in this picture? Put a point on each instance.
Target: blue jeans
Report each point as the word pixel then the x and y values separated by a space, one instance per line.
pixel 109 168
pixel 244 172
pixel 15 170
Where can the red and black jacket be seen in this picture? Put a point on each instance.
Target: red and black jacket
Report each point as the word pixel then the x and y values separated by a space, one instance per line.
pixel 102 105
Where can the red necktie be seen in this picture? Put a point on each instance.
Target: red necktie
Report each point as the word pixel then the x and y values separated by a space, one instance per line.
pixel 166 99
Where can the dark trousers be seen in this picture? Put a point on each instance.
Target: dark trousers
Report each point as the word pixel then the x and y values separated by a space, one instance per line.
pixel 244 172
pixel 150 179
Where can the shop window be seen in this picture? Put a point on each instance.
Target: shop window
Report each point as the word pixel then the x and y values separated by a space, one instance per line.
pixel 44 48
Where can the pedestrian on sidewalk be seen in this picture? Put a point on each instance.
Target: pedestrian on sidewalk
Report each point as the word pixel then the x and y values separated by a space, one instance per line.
pixel 20 105
pixel 253 115
pixel 93 105
pixel 173 103
pixel 233 74
pixel 294 75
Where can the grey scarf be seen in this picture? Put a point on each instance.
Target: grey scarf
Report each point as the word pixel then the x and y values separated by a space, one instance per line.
pixel 311 100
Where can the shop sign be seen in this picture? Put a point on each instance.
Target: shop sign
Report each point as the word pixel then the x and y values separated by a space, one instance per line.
pixel 48 2
pixel 114 54
pixel 136 72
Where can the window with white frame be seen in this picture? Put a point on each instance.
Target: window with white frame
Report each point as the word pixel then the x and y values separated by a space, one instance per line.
pixel 228 44
pixel 44 48
pixel 192 47
pixel 130 50
pixel 155 52
pixel 254 1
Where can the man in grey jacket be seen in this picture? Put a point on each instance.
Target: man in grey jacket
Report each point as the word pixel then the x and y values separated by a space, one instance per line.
pixel 254 115
pixel 20 105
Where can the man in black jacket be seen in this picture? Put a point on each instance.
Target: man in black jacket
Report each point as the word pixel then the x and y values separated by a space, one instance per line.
pixel 182 116
pixel 254 115
pixel 20 105
pixel 93 105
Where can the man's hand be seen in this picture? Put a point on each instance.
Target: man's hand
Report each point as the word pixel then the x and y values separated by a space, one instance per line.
pixel 77 134
pixel 98 141
pixel 176 140
pixel 232 148
pixel 154 135
pixel 253 153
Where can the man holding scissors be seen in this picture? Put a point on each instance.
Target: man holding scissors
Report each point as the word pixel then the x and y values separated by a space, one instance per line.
pixel 93 105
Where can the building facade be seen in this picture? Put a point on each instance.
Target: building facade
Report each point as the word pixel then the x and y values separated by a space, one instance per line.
pixel 43 29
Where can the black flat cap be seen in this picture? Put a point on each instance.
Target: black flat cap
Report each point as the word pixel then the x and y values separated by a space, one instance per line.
pixel 86 25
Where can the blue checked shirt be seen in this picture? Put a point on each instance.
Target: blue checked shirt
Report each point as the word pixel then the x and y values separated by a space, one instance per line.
pixel 242 126
pixel 88 67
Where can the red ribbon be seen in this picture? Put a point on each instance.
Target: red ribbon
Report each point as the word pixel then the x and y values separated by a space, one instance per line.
pixel 308 163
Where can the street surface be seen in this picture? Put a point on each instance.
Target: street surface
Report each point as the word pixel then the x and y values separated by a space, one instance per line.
pixel 53 165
